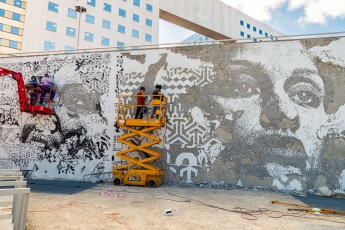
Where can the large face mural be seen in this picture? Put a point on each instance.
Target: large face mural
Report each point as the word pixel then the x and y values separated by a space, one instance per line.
pixel 269 114
pixel 73 142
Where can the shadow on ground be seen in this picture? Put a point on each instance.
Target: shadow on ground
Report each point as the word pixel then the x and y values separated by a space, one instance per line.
pixel 59 186
pixel 323 202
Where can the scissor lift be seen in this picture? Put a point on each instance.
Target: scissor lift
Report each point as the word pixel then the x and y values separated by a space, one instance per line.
pixel 133 171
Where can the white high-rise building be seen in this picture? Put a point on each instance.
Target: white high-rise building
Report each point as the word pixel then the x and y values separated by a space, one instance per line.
pixel 67 25
pixel 45 25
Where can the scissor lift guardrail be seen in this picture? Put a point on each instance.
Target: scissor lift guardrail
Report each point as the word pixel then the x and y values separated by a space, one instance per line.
pixel 133 171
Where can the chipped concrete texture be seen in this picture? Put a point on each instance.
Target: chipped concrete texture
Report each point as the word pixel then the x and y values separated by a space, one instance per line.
pixel 268 114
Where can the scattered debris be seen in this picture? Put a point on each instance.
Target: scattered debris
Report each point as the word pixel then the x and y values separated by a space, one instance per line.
pixel 168 212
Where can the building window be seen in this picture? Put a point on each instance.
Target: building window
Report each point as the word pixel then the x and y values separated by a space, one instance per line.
pixel 242 34
pixel 241 22
pixel 3 1
pixel 16 16
pixel 2 13
pixel 136 2
pixel 18 3
pixel 90 19
pixel 53 7
pixel 121 29
pixel 136 18
pixel 14 30
pixel 148 7
pixel 266 34
pixel 107 7
pixel 51 26
pixel 72 13
pixel 105 41
pixel 148 37
pixel 248 35
pixel 88 37
pixel 91 2
pixel 70 31
pixel 135 33
pixel 260 32
pixel 106 24
pixel 69 48
pixel 13 44
pixel 1 26
pixel 254 28
pixel 120 44
pixel 248 26
pixel 122 13
pixel 148 22
pixel 49 45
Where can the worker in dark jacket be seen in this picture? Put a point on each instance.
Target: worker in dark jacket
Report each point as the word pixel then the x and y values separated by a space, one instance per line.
pixel 156 96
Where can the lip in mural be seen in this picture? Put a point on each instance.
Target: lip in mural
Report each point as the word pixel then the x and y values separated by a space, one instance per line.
pixel 268 114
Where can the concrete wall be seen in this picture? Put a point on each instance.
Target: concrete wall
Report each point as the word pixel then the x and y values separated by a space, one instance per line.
pixel 266 114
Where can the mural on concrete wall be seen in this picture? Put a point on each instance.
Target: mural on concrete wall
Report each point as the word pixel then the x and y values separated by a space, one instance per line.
pixel 73 142
pixel 264 114
pixel 269 114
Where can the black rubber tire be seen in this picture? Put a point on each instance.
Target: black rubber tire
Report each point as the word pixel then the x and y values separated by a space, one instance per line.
pixel 117 181
pixel 152 183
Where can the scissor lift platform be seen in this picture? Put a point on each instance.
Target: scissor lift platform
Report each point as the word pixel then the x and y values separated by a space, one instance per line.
pixel 133 171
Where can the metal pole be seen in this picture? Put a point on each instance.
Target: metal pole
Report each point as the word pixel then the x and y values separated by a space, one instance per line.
pixel 78 30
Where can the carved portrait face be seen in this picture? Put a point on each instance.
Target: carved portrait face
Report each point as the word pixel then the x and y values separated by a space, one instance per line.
pixel 272 105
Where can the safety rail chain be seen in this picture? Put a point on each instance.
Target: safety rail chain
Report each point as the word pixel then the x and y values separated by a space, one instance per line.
pixel 14 178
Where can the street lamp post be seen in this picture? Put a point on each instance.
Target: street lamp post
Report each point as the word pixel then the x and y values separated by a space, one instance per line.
pixel 79 9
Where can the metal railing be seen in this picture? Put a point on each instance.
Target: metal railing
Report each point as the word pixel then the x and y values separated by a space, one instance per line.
pixel 179 44
pixel 14 178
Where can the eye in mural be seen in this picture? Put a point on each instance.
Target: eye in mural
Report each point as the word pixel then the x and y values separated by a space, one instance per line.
pixel 243 86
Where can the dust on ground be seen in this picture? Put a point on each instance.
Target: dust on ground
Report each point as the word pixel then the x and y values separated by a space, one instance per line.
pixel 105 206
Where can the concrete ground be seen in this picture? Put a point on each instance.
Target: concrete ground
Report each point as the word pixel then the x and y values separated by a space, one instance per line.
pixel 5 211
pixel 77 205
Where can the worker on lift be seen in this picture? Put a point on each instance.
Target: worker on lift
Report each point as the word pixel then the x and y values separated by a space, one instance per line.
pixel 33 94
pixel 25 102
pixel 46 87
pixel 157 95
pixel 140 103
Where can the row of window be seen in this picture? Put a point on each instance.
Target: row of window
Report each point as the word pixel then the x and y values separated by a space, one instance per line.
pixel 52 26
pixel 249 36
pixel 54 7
pixel 254 29
pixel 10 29
pixel 106 24
pixel 105 42
pixel 11 15
pixel 17 3
pixel 255 40
pixel 107 7
pixel 10 43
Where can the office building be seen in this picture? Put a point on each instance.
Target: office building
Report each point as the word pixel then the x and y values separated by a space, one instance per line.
pixel 45 25
pixel 68 25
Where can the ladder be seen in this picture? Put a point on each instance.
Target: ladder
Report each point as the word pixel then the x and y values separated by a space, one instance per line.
pixel 133 171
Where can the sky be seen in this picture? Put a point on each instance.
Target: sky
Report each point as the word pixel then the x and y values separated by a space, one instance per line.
pixel 291 17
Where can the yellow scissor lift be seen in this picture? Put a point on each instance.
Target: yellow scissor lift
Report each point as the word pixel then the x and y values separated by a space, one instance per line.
pixel 135 171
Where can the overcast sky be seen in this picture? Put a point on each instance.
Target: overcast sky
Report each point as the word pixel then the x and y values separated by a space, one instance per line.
pixel 287 16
